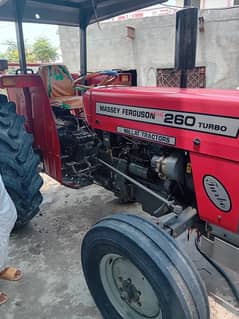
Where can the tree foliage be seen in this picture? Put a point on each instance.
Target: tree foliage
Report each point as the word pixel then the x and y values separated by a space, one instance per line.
pixel 11 52
pixel 42 51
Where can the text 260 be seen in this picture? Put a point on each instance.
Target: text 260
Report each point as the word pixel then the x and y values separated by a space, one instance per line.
pixel 179 119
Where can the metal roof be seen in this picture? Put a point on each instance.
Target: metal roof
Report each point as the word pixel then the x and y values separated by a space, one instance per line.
pixel 70 12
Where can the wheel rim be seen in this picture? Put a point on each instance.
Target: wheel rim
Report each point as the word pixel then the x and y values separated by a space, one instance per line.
pixel 128 290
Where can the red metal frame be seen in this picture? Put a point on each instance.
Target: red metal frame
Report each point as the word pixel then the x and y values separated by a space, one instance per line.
pixel 29 94
pixel 215 155
pixel 29 65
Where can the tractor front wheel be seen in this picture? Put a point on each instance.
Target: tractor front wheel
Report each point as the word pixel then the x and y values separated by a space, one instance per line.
pixel 18 163
pixel 134 270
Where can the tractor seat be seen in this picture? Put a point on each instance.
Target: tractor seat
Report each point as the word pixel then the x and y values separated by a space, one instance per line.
pixel 59 85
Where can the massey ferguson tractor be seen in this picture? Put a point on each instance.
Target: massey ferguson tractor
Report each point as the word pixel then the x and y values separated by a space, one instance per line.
pixel 174 150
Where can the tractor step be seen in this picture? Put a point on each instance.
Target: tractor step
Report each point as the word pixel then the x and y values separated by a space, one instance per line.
pixel 176 224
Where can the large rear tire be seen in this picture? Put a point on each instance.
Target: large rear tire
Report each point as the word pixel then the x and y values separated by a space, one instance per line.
pixel 134 270
pixel 18 163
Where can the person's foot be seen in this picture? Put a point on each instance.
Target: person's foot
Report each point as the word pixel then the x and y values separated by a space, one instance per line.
pixel 11 274
pixel 3 298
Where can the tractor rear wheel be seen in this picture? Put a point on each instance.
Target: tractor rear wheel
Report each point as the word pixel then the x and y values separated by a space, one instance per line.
pixel 18 163
pixel 134 270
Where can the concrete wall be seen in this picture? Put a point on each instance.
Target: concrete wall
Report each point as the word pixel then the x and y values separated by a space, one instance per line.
pixel 206 4
pixel 153 47
pixel 216 3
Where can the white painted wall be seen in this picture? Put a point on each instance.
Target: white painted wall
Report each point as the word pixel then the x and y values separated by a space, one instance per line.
pixel 206 4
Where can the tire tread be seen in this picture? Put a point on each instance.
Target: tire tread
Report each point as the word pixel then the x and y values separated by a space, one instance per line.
pixel 18 164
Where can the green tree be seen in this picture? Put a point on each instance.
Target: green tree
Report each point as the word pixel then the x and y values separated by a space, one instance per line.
pixel 11 52
pixel 43 51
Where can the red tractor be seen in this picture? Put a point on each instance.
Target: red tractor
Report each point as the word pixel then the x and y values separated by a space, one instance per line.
pixel 175 151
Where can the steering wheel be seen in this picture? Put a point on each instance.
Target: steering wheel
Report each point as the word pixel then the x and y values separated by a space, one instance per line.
pixel 110 77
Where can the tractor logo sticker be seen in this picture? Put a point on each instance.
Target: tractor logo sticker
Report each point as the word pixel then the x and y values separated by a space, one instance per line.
pixel 205 123
pixel 217 193
pixel 149 136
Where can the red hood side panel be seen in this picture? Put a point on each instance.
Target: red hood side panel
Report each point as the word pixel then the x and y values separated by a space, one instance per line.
pixel 174 111
pixel 203 122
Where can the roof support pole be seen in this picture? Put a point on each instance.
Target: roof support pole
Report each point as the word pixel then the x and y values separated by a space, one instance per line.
pixel 83 50
pixel 187 3
pixel 19 9
pixel 84 22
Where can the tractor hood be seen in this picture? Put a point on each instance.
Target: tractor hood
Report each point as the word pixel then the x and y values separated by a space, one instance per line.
pixel 69 12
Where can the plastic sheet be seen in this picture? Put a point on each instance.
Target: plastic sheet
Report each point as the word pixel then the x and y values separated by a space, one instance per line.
pixel 8 216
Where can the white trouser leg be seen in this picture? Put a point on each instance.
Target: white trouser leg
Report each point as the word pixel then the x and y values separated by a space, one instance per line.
pixel 8 217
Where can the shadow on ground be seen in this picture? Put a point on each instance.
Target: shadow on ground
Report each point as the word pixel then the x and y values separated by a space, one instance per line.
pixel 48 251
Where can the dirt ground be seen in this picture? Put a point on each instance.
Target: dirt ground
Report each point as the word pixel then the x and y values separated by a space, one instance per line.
pixel 48 251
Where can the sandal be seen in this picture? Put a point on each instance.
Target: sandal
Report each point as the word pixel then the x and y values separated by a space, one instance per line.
pixel 3 298
pixel 11 274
